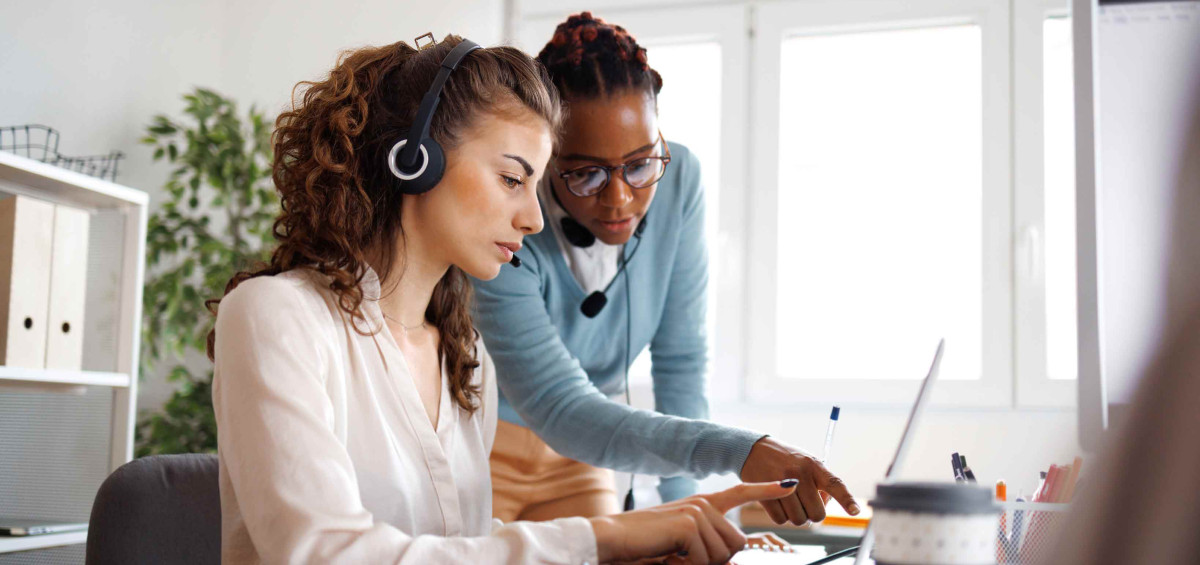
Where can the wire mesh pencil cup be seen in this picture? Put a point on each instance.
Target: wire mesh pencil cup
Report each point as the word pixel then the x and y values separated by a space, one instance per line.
pixel 40 143
pixel 1029 531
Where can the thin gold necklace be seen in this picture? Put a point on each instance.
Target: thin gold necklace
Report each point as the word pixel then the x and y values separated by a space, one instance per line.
pixel 407 329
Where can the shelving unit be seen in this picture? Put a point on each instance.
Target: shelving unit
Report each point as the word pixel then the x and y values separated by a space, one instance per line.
pixel 18 376
pixel 117 370
pixel 9 545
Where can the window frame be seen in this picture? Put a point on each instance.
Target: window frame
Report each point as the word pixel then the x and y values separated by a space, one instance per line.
pixel 775 22
pixel 1033 386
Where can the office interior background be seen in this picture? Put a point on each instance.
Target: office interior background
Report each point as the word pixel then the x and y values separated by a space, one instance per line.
pixel 878 174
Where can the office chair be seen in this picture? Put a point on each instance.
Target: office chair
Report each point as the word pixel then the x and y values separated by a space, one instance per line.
pixel 159 509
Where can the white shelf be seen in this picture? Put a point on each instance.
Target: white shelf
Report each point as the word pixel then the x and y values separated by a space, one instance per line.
pixel 20 175
pixel 23 376
pixel 25 543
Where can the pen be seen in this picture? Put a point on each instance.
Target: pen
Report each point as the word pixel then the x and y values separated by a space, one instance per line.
pixel 1014 542
pixel 957 466
pixel 833 418
pixel 967 472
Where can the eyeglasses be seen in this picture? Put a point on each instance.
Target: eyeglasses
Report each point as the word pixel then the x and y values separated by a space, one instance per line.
pixel 637 173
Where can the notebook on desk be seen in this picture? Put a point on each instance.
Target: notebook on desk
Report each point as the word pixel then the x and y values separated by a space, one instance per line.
pixel 800 555
pixel 14 527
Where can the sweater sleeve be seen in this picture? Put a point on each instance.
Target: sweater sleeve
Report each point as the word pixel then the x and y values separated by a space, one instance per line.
pixel 551 392
pixel 679 348
pixel 293 480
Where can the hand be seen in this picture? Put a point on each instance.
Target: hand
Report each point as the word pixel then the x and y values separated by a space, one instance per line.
pixel 767 541
pixel 691 530
pixel 770 460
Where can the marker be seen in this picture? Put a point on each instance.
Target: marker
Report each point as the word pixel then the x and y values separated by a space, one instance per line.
pixel 966 469
pixel 833 418
pixel 1041 484
pixel 1002 535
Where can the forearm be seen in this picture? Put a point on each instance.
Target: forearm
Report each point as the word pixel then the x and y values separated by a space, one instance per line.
pixel 584 425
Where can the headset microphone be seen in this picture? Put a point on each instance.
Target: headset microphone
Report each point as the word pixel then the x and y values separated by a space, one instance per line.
pixel 595 302
pixel 516 261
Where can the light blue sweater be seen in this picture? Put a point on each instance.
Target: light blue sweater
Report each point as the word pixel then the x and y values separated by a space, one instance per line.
pixel 556 368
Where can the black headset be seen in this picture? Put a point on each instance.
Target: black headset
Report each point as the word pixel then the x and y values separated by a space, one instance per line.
pixel 419 175
pixel 579 236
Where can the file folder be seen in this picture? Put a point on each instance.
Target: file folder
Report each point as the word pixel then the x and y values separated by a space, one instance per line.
pixel 68 289
pixel 26 234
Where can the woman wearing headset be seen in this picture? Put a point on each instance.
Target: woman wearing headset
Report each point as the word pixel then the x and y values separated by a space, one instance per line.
pixel 355 404
pixel 622 266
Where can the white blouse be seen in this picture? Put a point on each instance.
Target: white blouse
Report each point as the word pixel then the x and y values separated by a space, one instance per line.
pixel 327 454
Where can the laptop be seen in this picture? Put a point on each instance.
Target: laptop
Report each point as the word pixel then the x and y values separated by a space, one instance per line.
pixel 14 527
pixel 758 557
pixel 868 541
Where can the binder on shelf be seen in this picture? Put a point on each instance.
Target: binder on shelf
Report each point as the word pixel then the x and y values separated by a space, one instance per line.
pixel 68 289
pixel 26 235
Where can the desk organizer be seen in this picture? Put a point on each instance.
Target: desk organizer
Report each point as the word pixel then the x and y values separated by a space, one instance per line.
pixel 1029 531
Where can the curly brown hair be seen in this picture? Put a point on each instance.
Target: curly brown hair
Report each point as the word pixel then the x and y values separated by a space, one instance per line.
pixel 339 203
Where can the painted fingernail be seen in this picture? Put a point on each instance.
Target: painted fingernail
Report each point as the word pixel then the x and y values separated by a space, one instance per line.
pixel 853 509
pixel 789 483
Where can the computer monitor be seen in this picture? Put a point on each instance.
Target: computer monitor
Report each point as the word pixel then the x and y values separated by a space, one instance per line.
pixel 1137 90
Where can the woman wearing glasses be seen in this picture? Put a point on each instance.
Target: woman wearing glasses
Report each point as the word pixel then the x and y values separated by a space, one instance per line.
pixel 622 267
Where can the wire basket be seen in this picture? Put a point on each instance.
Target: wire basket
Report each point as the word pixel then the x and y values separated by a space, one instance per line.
pixel 40 142
pixel 1029 531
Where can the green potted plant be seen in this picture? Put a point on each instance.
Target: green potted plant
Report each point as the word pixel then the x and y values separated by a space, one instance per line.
pixel 216 221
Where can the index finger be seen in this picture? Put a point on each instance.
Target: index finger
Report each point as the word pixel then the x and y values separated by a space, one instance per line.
pixel 835 487
pixel 731 498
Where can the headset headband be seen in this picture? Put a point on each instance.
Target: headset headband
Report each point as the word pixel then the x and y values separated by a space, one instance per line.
pixel 420 126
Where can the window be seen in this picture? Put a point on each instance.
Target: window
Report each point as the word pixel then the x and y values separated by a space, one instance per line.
pixel 692 92
pixel 879 208
pixel 1044 196
pixel 879 174
pixel 1058 103
pixel 882 215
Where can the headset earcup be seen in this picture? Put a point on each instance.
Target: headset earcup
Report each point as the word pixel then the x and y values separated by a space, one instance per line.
pixel 576 234
pixel 433 171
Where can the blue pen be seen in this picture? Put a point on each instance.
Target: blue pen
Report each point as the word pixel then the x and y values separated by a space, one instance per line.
pixel 1014 544
pixel 957 466
pixel 833 418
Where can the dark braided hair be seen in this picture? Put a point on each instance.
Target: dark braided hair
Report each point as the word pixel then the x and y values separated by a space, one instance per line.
pixel 590 58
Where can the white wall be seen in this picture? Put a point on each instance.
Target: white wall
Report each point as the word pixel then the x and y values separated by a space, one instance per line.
pixel 98 72
pixel 269 45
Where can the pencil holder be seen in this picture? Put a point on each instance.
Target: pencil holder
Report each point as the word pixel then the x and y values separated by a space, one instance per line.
pixel 1029 531
pixel 934 524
